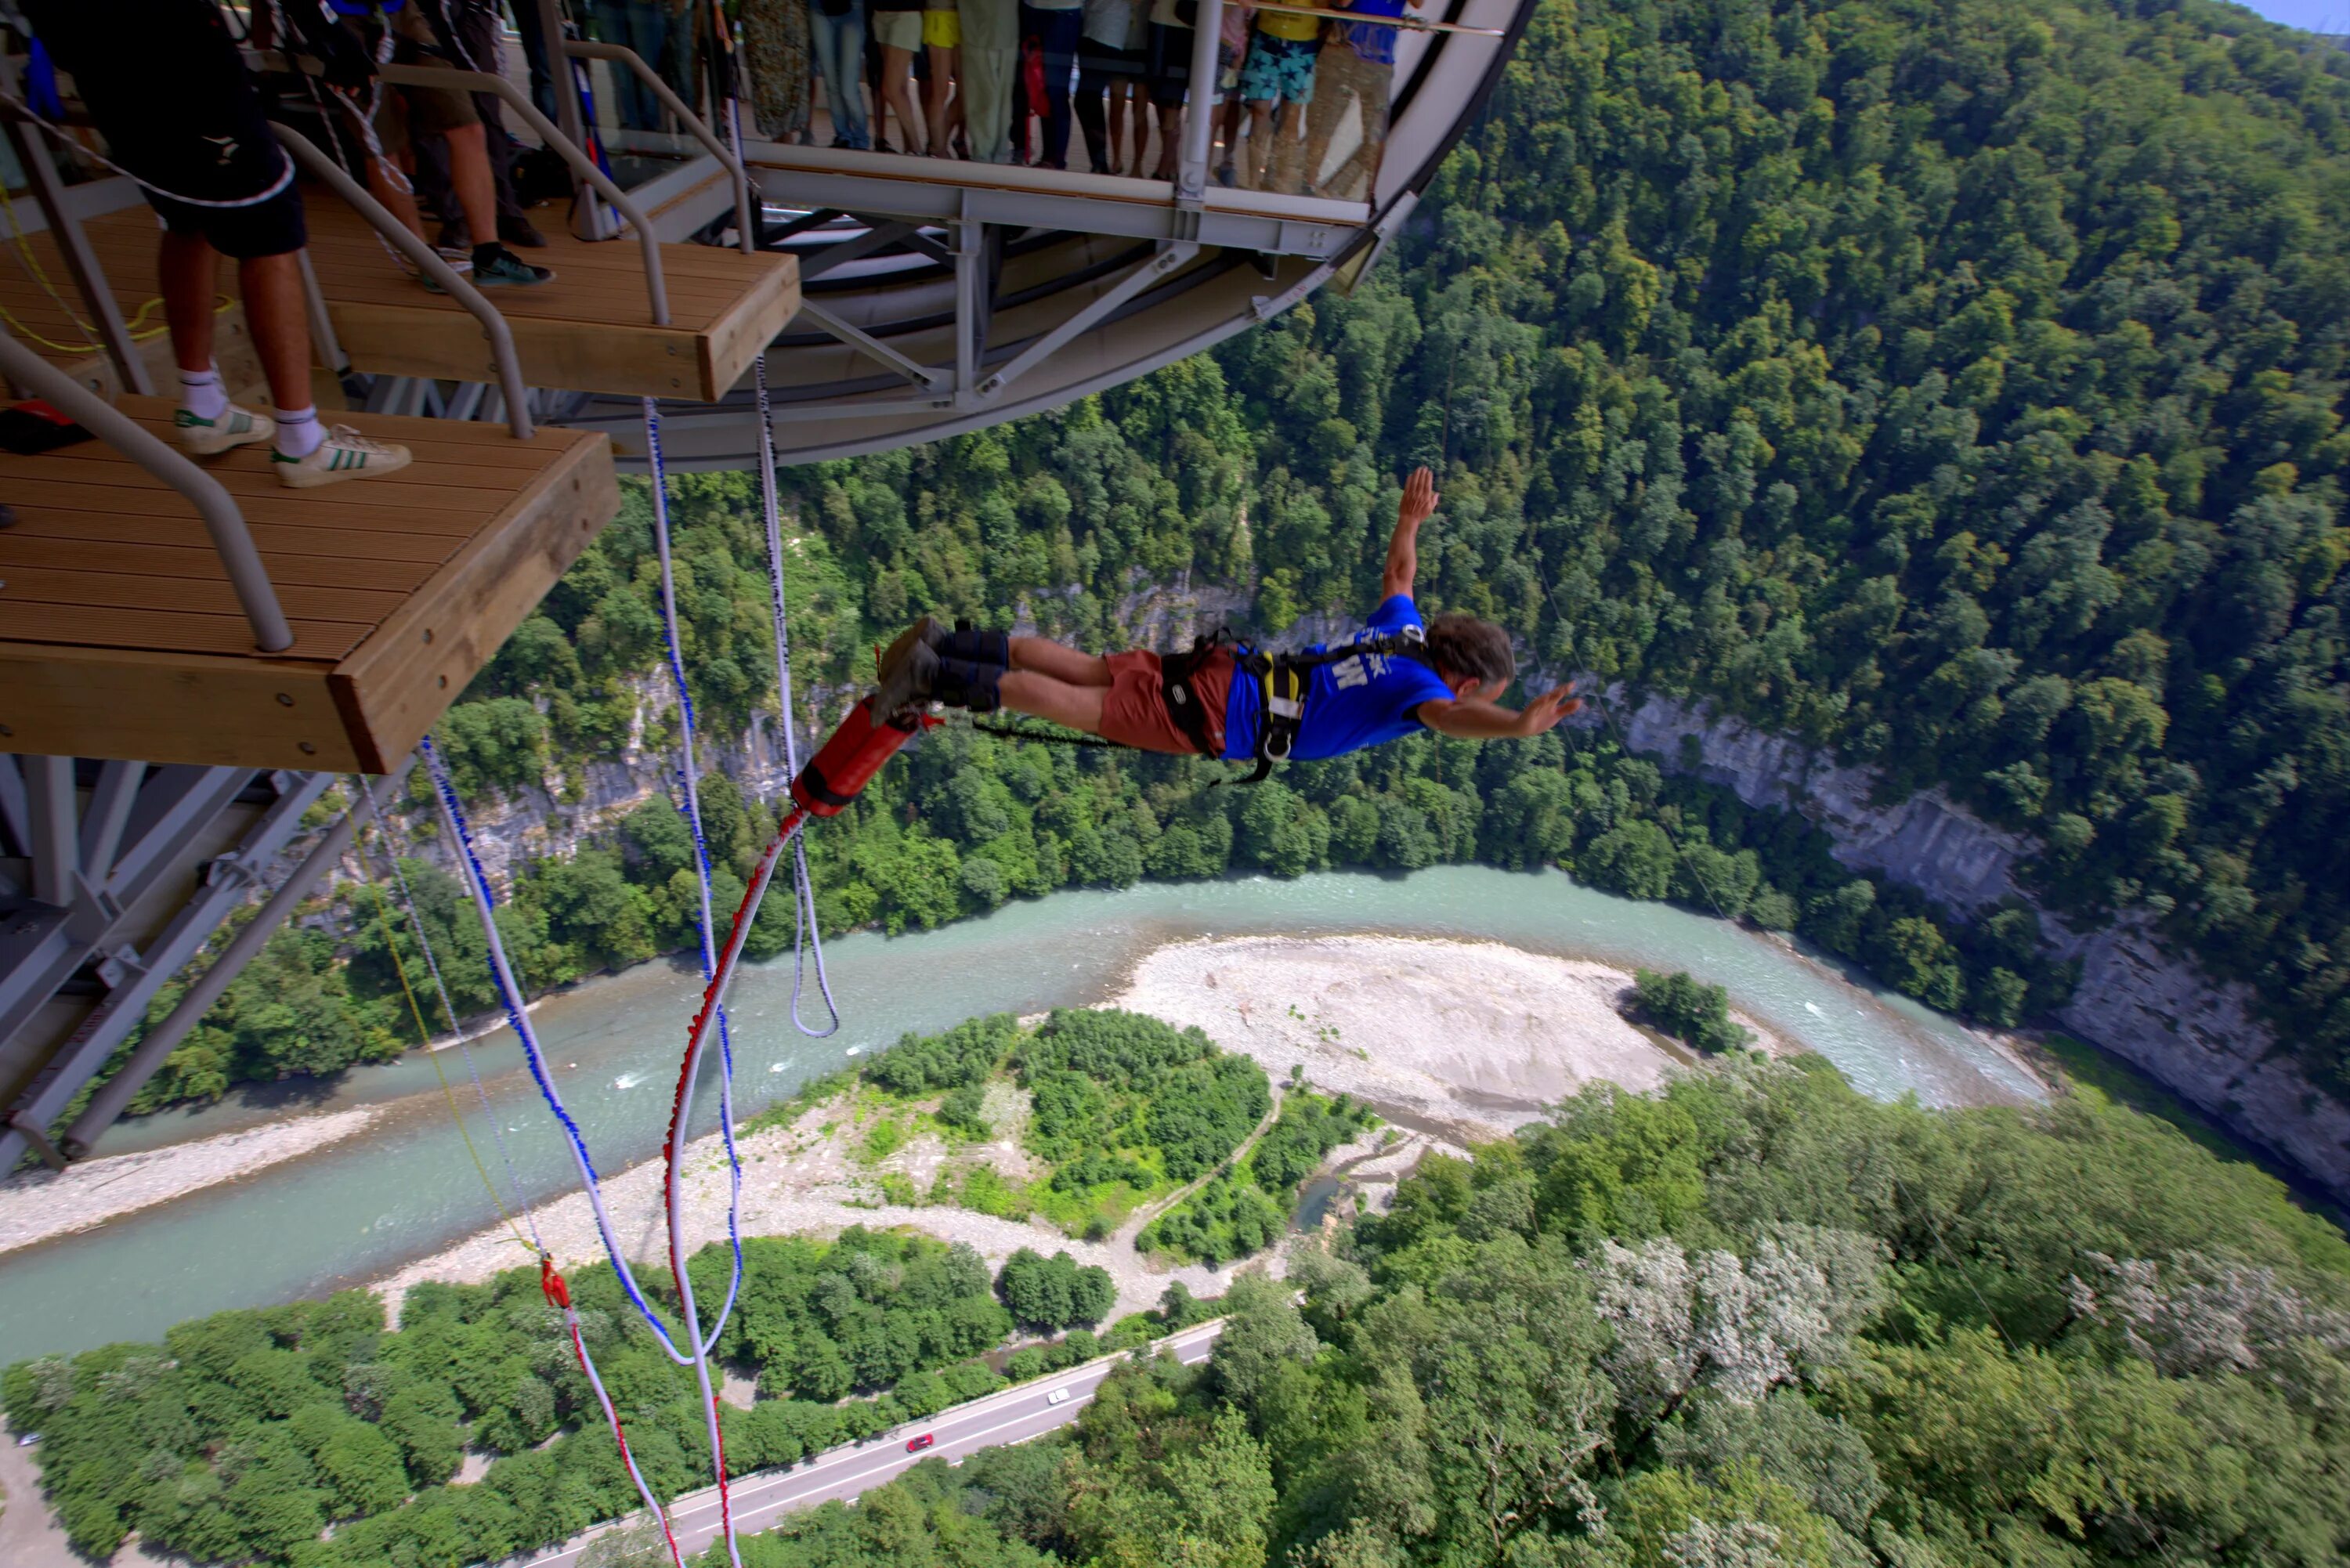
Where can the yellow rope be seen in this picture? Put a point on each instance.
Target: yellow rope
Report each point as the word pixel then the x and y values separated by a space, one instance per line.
pixel 31 261
pixel 424 1038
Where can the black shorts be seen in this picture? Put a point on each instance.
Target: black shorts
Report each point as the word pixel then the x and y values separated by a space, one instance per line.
pixel 1168 66
pixel 1096 60
pixel 270 229
pixel 180 111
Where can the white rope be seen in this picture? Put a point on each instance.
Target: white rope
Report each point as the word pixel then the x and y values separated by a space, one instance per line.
pixel 689 1073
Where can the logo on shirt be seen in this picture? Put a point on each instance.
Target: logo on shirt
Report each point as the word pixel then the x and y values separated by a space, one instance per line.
pixel 1360 669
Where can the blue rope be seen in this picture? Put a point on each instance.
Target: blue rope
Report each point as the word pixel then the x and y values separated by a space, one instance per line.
pixel 691 810
pixel 509 997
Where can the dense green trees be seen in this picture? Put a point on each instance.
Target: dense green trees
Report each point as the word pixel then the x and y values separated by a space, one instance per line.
pixel 1687 1009
pixel 1789 1327
pixel 1247 1208
pixel 1054 1294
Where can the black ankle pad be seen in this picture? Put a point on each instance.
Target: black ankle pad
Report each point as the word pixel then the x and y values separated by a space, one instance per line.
pixel 979 646
pixel 963 683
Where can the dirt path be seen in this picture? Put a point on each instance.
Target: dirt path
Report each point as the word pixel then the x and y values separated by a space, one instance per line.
pixel 1143 1216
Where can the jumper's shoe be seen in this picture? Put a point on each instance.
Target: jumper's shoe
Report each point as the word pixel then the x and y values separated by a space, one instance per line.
pixel 235 427
pixel 909 668
pixel 504 269
pixel 344 454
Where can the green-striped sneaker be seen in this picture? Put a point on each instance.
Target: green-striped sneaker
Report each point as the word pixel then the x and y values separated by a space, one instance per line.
pixel 344 454
pixel 235 427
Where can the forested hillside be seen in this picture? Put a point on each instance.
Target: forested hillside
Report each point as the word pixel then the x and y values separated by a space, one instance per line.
pixel 1758 1322
pixel 1957 386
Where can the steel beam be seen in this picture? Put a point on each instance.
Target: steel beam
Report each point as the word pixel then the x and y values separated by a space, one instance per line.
pixel 865 343
pixel 156 1047
pixel 56 846
pixel 136 976
pixel 1105 304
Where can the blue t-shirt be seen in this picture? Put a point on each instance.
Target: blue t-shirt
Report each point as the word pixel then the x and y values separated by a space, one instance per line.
pixel 1374 44
pixel 1356 702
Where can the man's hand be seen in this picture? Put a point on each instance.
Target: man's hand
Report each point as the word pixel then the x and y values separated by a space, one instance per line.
pixel 1542 714
pixel 1403 547
pixel 1419 499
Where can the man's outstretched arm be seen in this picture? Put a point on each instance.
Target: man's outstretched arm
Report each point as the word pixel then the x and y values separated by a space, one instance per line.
pixel 1474 718
pixel 1403 544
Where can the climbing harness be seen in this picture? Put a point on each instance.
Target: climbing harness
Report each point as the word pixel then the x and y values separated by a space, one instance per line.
pixel 1284 682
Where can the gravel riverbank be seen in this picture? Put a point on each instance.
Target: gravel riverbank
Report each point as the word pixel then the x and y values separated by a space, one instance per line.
pixel 41 1204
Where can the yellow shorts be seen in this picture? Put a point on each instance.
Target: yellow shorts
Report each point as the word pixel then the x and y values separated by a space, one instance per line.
pixel 942 29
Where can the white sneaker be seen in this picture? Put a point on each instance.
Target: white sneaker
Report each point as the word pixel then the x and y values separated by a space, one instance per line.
pixel 235 427
pixel 344 454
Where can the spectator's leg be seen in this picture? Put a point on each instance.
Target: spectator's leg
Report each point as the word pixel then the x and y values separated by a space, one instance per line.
pixel 275 315
pixel 1337 82
pixel 1061 31
pixel 527 23
pixel 1259 143
pixel 946 67
pixel 987 85
pixel 1091 86
pixel 469 172
pixel 897 93
pixel 189 271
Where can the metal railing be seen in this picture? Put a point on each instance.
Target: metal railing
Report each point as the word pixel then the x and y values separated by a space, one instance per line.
pixel 213 503
pixel 514 98
pixel 746 230
pixel 508 365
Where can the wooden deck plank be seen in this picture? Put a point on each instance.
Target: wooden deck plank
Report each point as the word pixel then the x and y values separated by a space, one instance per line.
pixel 186 563
pixel 273 539
pixel 168 633
pixel 590 329
pixel 123 636
pixel 446 512
pixel 212 596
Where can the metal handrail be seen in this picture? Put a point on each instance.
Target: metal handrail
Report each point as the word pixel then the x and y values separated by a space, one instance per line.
pixel 694 124
pixel 213 503
pixel 493 326
pixel 581 164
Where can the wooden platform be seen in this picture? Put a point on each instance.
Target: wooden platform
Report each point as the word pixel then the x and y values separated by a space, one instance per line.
pixel 590 331
pixel 120 635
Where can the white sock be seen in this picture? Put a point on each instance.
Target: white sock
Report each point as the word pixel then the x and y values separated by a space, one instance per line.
pixel 201 394
pixel 299 432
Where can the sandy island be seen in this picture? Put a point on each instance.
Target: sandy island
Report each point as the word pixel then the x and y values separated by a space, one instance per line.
pixel 41 1204
pixel 1467 1038
pixel 1454 1042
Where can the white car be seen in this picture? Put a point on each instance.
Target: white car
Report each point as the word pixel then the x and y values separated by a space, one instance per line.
pixel 1057 1396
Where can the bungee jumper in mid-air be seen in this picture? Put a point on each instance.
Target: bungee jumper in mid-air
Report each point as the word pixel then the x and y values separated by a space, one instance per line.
pixel 1229 700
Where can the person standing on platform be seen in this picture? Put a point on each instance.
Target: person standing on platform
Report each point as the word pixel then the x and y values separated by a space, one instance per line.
pixel 1231 49
pixel 637 24
pixel 1167 71
pixel 1110 58
pixel 1056 25
pixel 942 55
pixel 1278 77
pixel 837 34
pixel 991 57
pixel 1358 66
pixel 898 29
pixel 776 38
pixel 179 112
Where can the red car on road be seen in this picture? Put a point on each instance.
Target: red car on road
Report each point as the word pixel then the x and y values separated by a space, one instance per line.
pixel 916 1445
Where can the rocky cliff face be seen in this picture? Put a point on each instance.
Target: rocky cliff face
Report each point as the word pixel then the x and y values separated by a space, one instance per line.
pixel 2152 1007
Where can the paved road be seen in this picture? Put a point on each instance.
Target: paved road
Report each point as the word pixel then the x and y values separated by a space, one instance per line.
pixel 843 1474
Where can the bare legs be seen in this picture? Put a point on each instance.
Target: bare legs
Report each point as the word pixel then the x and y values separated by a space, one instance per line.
pixel 477 187
pixel 273 313
pixel 897 93
pixel 944 71
pixel 271 286
pixel 1049 682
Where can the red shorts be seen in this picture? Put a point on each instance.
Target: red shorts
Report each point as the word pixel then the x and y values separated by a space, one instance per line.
pixel 1134 713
